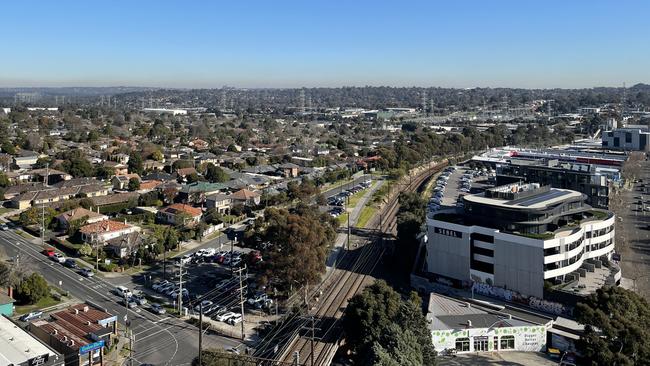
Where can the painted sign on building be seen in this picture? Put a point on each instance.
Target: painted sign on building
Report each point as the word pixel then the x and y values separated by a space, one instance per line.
pixel 91 347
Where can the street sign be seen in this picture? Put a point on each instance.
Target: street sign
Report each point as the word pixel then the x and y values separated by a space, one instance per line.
pixel 91 347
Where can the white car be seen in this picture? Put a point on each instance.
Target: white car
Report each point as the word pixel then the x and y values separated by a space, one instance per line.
pixel 235 319
pixel 57 257
pixel 206 304
pixel 225 316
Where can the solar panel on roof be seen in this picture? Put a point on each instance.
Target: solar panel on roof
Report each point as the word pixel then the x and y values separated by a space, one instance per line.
pixel 541 198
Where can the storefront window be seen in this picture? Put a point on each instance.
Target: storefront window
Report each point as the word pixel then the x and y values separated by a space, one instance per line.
pixel 462 344
pixel 507 342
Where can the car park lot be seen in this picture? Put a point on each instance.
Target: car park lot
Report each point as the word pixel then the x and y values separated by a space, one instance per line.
pixel 454 182
pixel 211 277
pixel 337 202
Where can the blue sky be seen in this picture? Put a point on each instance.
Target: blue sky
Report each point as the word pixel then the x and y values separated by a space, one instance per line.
pixel 275 43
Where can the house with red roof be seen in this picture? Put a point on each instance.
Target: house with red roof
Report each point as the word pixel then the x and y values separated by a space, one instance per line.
pixel 179 214
pixel 102 231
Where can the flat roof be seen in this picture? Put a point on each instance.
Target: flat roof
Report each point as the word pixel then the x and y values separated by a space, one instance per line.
pixel 17 346
pixel 449 313
pixel 538 201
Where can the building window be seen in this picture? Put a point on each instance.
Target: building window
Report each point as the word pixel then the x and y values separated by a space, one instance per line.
pixel 462 344
pixel 507 342
pixel 480 344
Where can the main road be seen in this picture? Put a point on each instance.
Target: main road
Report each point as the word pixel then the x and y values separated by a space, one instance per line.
pixel 159 340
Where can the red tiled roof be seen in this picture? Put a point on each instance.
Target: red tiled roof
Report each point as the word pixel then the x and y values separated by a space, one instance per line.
pixel 179 207
pixel 104 226
pixel 244 194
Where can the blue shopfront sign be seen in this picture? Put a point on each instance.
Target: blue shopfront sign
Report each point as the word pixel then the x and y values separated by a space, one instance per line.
pixel 91 347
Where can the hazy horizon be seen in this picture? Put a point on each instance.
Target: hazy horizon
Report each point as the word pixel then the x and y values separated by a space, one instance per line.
pixel 293 44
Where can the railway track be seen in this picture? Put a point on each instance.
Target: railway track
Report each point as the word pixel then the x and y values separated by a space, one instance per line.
pixel 318 346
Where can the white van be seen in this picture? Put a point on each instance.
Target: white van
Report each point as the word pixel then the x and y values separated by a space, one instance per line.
pixel 122 291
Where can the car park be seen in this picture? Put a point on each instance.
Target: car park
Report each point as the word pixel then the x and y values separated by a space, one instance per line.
pixel 158 285
pixel 174 294
pixel 157 309
pixel 236 262
pixel 31 316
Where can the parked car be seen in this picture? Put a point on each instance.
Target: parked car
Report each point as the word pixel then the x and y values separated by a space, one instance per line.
pixel 31 316
pixel 236 318
pixel 122 291
pixel 225 316
pixel 70 263
pixel 139 299
pixel 158 285
pixel 257 298
pixel 130 303
pixel 87 272
pixel 4 227
pixel 49 252
pixel 157 309
pixel 205 303
pixel 58 257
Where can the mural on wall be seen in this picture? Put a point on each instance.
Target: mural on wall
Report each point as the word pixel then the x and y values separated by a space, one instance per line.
pixel 514 296
pixel 526 338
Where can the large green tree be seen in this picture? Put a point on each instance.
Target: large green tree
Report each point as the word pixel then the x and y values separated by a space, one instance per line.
pixel 31 289
pixel 215 174
pixel 301 241
pixel 617 328
pixel 383 329
pixel 135 163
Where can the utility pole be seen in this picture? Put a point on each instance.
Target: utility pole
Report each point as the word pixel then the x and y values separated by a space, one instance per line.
pixel 164 263
pixel 47 173
pixel 132 341
pixel 180 290
pixel 200 330
pixel 312 340
pixel 241 300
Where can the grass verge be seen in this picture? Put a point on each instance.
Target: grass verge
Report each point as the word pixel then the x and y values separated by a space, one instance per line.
pixel 366 214
pixel 343 219
pixel 45 302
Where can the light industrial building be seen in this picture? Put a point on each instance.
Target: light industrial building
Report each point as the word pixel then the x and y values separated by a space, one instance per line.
pixel 467 327
pixel 19 348
pixel 519 236
pixel 631 138
pixel 592 180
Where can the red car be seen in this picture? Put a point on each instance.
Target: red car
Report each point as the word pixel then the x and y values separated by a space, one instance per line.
pixel 49 252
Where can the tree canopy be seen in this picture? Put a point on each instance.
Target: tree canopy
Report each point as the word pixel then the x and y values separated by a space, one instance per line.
pixel 383 329
pixel 617 328
pixel 301 241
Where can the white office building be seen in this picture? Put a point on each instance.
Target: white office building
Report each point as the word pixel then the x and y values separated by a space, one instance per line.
pixel 518 236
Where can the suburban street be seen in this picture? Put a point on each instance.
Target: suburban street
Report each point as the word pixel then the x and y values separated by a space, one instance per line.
pixel 632 231
pixel 160 340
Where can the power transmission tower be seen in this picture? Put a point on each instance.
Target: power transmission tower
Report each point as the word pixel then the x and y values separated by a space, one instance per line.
pixel 424 103
pixel 623 102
